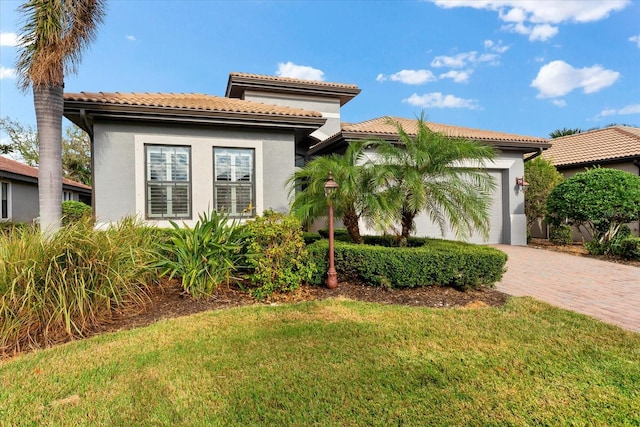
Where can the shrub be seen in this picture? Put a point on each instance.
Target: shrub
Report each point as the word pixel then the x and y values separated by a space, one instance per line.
pixel 561 234
pixel 440 263
pixel 339 234
pixel 278 257
pixel 628 248
pixel 310 237
pixel 387 240
pixel 62 286
pixel 73 211
pixel 204 256
pixel 598 200
pixel 8 227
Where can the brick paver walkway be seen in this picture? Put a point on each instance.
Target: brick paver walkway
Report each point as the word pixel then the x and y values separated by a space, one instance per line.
pixel 604 290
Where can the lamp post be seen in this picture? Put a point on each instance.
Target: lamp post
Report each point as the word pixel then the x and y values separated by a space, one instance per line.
pixel 332 276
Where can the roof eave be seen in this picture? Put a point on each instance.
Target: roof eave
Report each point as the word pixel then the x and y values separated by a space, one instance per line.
pixel 523 146
pixel 236 85
pixel 72 110
pixel 588 163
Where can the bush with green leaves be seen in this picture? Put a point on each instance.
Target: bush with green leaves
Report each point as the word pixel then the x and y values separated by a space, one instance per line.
pixel 561 234
pixel 437 263
pixel 64 285
pixel 627 248
pixel 599 201
pixel 74 211
pixel 278 258
pixel 205 256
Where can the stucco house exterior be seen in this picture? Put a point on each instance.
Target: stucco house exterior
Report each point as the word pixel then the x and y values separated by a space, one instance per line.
pixel 19 185
pixel 172 156
pixel 616 147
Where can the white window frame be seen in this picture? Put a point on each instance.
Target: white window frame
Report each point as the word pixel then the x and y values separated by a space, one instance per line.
pixel 7 186
pixel 235 184
pixel 168 183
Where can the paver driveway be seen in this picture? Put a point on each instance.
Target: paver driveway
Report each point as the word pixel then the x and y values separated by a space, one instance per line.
pixel 604 290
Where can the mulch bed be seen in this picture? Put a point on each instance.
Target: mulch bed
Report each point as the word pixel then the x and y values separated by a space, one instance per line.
pixel 168 300
pixel 577 249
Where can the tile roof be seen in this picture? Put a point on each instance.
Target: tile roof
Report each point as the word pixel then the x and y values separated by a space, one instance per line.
pixel 188 102
pixel 384 126
pixel 17 168
pixel 610 143
pixel 293 80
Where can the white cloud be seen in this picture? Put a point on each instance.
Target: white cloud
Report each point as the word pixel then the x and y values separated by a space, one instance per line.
pixel 438 100
pixel 303 72
pixel 7 73
pixel 557 78
pixel 559 103
pixel 542 32
pixel 409 77
pixel 629 109
pixel 635 39
pixel 8 39
pixel 131 38
pixel 457 61
pixel 543 16
pixel 457 76
pixel 539 59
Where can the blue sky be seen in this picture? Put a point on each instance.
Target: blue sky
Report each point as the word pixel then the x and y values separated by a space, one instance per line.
pixel 526 67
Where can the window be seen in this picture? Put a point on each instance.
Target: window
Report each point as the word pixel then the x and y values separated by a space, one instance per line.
pixel 4 212
pixel 66 196
pixel 234 180
pixel 168 176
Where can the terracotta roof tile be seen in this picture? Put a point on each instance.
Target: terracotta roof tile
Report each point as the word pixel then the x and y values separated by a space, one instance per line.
pixel 189 101
pixel 596 145
pixel 293 80
pixel 15 167
pixel 384 126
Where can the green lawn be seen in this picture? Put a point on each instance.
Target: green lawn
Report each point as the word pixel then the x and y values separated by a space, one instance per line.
pixel 337 363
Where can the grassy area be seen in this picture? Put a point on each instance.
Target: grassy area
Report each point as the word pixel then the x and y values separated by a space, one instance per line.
pixel 337 363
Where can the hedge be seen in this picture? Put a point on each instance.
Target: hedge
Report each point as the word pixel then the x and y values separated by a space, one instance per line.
pixel 438 263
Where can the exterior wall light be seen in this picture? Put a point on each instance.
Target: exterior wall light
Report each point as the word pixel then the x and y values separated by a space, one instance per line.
pixel 332 276
pixel 521 184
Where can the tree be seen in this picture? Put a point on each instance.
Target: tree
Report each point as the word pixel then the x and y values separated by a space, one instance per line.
pixel 598 200
pixel 563 132
pixel 54 34
pixel 441 175
pixel 76 149
pixel 356 197
pixel 542 177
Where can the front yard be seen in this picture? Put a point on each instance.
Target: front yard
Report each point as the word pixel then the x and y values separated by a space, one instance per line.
pixel 337 362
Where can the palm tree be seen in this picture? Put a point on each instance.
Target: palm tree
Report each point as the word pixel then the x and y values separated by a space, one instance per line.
pixel 51 42
pixel 441 175
pixel 356 197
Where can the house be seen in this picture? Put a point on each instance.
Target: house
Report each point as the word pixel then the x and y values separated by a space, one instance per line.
pixel 19 183
pixel 616 147
pixel 171 156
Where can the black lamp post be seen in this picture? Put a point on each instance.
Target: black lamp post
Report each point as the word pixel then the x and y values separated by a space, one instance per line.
pixel 332 276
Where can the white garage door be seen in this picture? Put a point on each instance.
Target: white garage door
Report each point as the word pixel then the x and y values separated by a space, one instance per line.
pixel 426 228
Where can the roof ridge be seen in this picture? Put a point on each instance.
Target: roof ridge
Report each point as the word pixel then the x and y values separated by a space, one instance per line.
pixel 291 79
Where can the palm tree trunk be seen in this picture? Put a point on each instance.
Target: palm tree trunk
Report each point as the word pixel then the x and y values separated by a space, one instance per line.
pixel 407 223
pixel 350 220
pixel 49 105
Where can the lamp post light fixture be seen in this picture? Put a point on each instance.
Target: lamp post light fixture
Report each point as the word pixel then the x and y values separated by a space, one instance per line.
pixel 522 184
pixel 332 276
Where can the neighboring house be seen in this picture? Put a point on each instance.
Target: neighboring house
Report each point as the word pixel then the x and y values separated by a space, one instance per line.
pixel 172 156
pixel 19 184
pixel 616 147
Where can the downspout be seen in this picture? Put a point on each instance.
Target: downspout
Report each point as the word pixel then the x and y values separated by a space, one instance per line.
pixel 89 129
pixel 534 156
